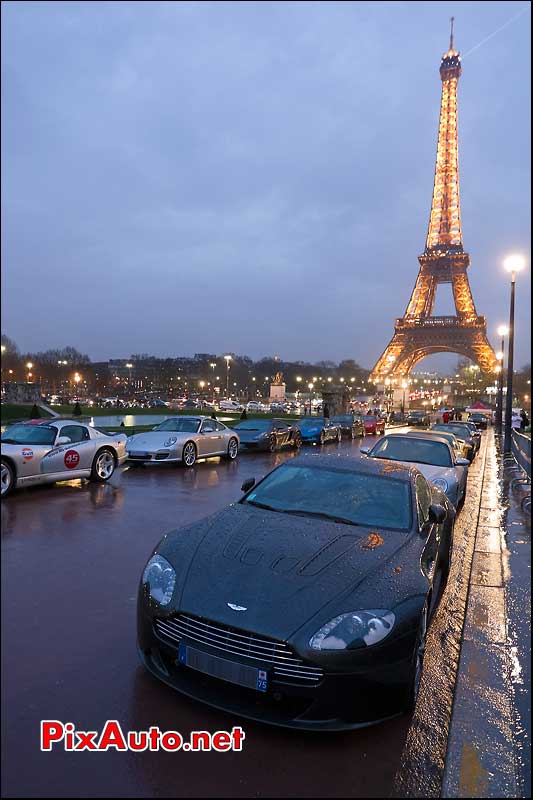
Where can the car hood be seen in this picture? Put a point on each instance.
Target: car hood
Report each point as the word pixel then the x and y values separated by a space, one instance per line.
pixel 280 568
pixel 430 471
pixel 155 439
pixel 250 436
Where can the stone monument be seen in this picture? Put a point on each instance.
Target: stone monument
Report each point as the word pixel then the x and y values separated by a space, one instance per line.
pixel 277 388
pixel 23 393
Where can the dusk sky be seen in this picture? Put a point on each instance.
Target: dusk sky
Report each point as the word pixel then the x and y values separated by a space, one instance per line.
pixel 252 177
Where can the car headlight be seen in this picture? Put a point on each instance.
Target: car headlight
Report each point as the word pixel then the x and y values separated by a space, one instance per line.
pixel 170 441
pixel 441 483
pixel 160 578
pixel 356 629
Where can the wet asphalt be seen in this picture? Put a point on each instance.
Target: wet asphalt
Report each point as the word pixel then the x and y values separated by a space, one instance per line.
pixel 72 555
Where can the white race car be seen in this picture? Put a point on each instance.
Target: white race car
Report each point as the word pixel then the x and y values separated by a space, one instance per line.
pixel 45 451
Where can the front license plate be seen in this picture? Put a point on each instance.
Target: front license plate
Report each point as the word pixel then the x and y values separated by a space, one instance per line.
pixel 223 669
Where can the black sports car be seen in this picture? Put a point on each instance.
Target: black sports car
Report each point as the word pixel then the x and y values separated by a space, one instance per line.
pixel 416 417
pixel 351 425
pixel 306 603
pixel 480 420
pixel 267 434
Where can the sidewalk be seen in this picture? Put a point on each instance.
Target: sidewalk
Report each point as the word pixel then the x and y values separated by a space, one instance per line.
pixel 489 735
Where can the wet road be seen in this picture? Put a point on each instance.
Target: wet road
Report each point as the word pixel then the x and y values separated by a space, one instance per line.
pixel 72 558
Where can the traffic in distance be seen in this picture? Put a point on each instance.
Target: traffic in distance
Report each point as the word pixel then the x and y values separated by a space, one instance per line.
pixel 306 602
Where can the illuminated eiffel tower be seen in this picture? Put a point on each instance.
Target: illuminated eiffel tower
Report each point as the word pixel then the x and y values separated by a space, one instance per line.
pixel 418 334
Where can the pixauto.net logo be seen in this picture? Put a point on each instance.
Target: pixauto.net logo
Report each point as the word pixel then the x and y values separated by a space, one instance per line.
pixel 112 737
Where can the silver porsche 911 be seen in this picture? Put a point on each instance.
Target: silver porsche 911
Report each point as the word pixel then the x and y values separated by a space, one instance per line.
pixel 183 439
pixel 45 451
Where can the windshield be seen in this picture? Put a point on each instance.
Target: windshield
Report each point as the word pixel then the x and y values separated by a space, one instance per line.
pixel 255 425
pixel 354 498
pixel 343 418
pixel 180 424
pixel 29 434
pixel 370 417
pixel 458 430
pixel 419 451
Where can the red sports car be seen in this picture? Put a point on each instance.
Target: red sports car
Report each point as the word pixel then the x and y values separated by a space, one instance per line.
pixel 373 424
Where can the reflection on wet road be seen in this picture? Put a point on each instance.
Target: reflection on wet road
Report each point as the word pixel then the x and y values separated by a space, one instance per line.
pixel 72 558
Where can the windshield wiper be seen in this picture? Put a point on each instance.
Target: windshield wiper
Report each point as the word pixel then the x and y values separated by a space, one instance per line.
pixel 262 505
pixel 322 515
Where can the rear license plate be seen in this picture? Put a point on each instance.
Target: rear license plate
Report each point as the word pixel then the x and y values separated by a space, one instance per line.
pixel 223 669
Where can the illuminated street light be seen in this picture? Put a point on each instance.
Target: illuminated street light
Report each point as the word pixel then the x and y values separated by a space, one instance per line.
pixel 227 359
pixel 513 264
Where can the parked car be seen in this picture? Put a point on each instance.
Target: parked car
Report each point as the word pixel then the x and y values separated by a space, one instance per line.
pixel 300 623
pixel 462 430
pixel 480 420
pixel 418 418
pixel 46 451
pixel 373 424
pixel 433 456
pixel 351 425
pixel 319 430
pixel 460 448
pixel 230 405
pixel 183 440
pixel 267 434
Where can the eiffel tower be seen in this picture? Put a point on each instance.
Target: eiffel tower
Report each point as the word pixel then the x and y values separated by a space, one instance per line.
pixel 418 334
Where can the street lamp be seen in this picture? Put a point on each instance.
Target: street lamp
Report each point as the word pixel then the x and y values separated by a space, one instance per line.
pixel 227 359
pixel 310 386
pixel 512 264
pixel 503 330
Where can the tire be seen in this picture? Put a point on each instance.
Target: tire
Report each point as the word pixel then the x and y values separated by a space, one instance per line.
pixel 322 438
pixel 104 464
pixel 273 444
pixel 353 434
pixel 418 659
pixel 8 478
pixel 189 455
pixel 339 437
pixel 233 449
pixel 298 441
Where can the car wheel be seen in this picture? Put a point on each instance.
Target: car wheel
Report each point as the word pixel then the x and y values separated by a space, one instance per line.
pixel 189 454
pixel 7 477
pixel 339 437
pixel 322 438
pixel 103 465
pixel 353 434
pixel 298 441
pixel 233 449
pixel 418 659
pixel 272 445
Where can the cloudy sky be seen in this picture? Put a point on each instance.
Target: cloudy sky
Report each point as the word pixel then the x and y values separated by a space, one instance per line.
pixel 255 177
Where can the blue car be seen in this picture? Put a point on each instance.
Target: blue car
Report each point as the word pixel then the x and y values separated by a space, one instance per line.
pixel 319 430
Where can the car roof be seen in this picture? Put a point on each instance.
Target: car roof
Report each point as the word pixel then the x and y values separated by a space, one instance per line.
pixel 371 466
pixel 442 435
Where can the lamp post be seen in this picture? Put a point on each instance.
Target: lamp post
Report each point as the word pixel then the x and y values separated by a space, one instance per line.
pixel 212 364
pixel 227 360
pixel 512 264
pixel 503 330
pixel 310 386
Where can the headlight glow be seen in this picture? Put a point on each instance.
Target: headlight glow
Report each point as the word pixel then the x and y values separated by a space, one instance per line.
pixel 170 441
pixel 355 629
pixel 160 578
pixel 441 483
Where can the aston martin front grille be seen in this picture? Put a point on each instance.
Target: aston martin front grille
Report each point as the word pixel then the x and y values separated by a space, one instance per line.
pixel 257 650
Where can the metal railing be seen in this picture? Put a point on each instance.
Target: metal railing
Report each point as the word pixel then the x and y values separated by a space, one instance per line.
pixel 521 450
pixel 441 322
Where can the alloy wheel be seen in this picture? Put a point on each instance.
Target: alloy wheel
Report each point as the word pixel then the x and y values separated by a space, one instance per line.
pixel 419 653
pixel 233 449
pixel 105 465
pixel 189 454
pixel 6 479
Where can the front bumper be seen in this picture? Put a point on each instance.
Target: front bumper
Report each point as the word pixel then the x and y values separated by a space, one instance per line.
pixel 340 701
pixel 157 457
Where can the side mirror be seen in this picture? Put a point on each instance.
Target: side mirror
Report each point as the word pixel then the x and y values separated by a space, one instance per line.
pixel 63 440
pixel 364 450
pixel 437 514
pixel 248 484
pixel 463 462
